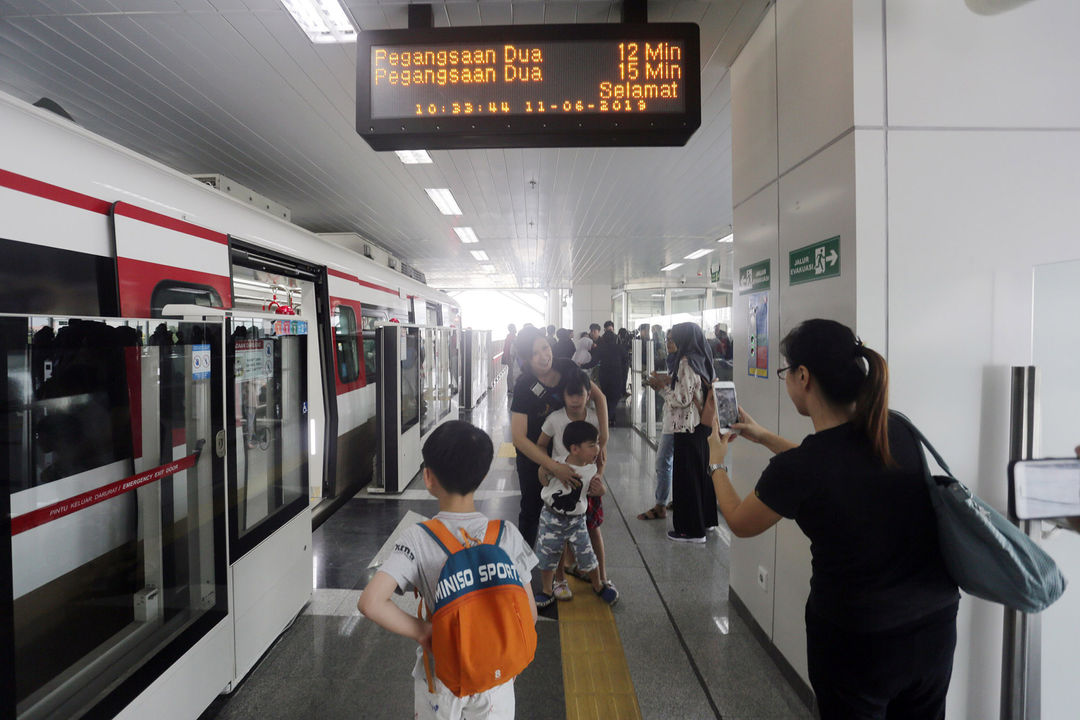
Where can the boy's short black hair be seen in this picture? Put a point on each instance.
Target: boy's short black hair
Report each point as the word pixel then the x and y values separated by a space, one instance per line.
pixel 579 432
pixel 459 454
pixel 577 383
pixel 609 324
pixel 594 326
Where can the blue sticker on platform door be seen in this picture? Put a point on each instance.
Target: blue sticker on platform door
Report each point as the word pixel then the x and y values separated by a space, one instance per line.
pixel 200 362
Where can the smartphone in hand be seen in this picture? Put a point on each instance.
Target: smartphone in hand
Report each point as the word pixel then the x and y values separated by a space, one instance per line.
pixel 727 406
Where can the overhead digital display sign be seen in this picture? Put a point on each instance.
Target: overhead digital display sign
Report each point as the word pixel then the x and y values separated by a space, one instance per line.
pixel 529 86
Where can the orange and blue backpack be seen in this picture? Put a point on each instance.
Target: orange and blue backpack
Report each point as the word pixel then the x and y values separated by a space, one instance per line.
pixel 482 628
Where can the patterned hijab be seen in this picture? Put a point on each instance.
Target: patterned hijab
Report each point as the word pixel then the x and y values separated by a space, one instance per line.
pixel 690 344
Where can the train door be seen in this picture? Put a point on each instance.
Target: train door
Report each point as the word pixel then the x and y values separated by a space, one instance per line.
pixel 115 506
pixel 267 282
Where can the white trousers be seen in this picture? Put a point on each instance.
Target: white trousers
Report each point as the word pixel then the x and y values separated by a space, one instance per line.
pixel 494 704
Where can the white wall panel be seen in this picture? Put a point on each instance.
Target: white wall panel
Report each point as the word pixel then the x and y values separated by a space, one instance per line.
pixel 868 63
pixel 871 264
pixel 962 243
pixel 813 69
pixel 817 202
pixel 756 239
pixel 1009 70
pixel 753 115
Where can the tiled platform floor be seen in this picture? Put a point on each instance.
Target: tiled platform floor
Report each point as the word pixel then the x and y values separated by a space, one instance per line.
pixel 690 655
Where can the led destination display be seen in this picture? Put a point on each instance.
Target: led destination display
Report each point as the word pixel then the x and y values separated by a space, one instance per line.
pixel 521 79
pixel 520 86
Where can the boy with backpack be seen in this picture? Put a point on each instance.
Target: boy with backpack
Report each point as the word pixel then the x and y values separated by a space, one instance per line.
pixel 575 407
pixel 472 574
pixel 562 519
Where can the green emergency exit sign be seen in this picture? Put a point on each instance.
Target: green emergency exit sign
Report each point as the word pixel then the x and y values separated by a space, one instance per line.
pixel 814 262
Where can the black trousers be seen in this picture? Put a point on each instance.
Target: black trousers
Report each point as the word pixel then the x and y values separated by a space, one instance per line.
pixel 900 674
pixel 691 487
pixel 531 504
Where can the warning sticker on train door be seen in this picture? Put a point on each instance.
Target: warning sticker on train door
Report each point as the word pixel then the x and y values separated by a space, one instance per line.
pixel 200 362
pixel 254 360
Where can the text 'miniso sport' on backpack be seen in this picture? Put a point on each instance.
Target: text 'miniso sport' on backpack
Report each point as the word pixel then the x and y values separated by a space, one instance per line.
pixel 482 627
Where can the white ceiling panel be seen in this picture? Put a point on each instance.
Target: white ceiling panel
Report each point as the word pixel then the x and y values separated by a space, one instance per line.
pixel 234 87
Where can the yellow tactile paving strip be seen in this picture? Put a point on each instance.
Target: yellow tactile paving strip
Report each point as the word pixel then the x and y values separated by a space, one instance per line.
pixel 596 678
pixel 506 450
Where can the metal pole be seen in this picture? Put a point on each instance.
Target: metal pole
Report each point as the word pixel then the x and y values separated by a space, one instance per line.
pixel 1022 637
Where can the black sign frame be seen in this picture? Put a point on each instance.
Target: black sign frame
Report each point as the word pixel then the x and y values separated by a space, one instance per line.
pixel 553 130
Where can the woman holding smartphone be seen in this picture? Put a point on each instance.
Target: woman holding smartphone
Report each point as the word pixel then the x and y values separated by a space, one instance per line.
pixel 689 404
pixel 881 615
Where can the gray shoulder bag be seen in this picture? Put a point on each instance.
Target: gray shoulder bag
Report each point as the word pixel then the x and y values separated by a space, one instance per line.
pixel 985 554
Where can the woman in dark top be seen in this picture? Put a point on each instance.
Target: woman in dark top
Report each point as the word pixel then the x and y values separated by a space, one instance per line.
pixel 564 344
pixel 537 394
pixel 610 377
pixel 881 616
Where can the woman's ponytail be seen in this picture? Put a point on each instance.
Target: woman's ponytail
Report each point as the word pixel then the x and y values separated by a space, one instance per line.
pixel 834 356
pixel 872 404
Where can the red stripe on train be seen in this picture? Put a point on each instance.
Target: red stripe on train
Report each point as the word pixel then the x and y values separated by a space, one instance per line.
pixel 170 223
pixel 358 281
pixel 58 194
pixel 138 278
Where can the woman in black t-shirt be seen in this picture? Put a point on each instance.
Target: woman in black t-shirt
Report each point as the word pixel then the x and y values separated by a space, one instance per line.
pixel 881 615
pixel 538 393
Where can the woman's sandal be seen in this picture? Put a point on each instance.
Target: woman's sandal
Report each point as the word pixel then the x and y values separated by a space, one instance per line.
pixel 652 514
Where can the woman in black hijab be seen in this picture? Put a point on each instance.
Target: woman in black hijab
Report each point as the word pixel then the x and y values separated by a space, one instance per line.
pixel 692 412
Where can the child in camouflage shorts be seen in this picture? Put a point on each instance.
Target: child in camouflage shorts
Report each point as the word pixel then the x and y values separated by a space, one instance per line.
pixel 562 519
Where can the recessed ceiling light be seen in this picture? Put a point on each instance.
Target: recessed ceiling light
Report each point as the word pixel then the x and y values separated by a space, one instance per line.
pixel 466 234
pixel 414 157
pixel 479 254
pixel 487 268
pixel 658 294
pixel 444 200
pixel 324 21
pixel 698 253
pixel 730 237
pixel 672 266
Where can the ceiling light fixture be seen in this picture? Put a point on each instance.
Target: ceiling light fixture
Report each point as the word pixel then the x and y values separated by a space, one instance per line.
pixel 730 237
pixel 480 255
pixel 698 253
pixel 414 157
pixel 466 234
pixel 443 200
pixel 487 268
pixel 672 266
pixel 324 21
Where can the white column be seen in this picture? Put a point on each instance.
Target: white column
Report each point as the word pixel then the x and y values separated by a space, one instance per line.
pixel 949 170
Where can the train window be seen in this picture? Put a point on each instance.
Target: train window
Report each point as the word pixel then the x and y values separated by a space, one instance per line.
pixel 370 363
pixel 174 292
pixel 348 363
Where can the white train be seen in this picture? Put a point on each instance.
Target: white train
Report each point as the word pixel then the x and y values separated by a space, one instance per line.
pixel 89 229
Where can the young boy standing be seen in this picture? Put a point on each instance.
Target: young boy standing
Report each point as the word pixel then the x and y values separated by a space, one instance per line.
pixel 562 519
pixel 576 399
pixel 457 456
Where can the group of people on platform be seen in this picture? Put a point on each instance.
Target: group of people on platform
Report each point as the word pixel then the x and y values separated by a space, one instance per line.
pixel 881 614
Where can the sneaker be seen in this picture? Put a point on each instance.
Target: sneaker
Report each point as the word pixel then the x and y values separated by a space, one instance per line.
pixel 543 600
pixel 684 538
pixel 562 591
pixel 608 594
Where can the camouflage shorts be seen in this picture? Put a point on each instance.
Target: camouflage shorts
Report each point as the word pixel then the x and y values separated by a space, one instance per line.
pixel 555 531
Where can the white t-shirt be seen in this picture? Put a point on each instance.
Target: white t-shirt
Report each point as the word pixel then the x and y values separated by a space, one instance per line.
pixel 417 560
pixel 566 501
pixel 556 423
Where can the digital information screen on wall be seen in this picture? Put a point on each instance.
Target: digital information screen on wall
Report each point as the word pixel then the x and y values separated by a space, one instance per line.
pixel 529 86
